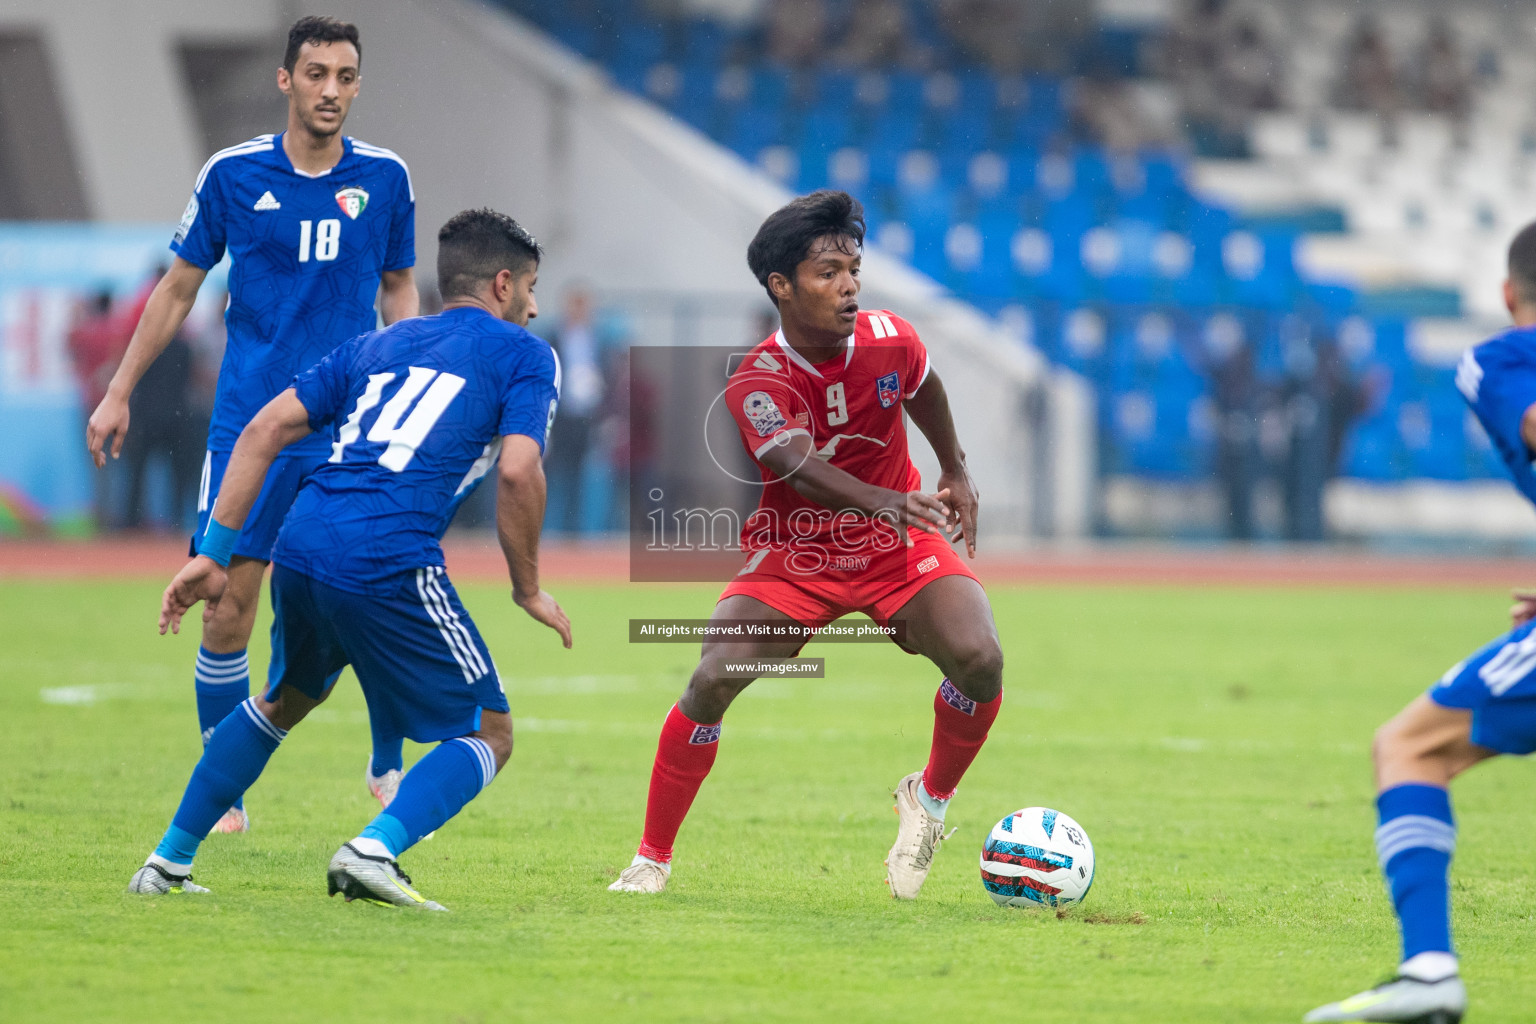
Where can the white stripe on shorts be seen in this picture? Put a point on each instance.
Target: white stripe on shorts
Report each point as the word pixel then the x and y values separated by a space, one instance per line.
pixel 451 619
pixel 429 601
pixel 205 483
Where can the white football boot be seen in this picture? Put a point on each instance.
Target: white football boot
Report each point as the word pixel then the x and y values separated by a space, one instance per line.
pixel 358 876
pixel 234 820
pixel 917 839
pixel 642 875
pixel 383 787
pixel 154 879
pixel 1401 1001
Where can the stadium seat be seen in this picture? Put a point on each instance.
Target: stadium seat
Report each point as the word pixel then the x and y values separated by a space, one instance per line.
pixel 968 175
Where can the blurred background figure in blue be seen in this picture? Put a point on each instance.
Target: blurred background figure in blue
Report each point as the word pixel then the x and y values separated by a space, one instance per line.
pixel 583 389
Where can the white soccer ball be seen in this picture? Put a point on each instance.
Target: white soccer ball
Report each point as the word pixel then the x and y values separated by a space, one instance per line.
pixel 1037 856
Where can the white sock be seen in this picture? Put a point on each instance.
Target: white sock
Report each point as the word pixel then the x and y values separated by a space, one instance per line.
pixel 170 867
pixel 1429 967
pixel 371 848
pixel 646 860
pixel 932 804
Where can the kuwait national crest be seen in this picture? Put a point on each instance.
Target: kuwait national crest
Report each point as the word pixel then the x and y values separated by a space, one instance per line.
pixel 889 390
pixel 352 201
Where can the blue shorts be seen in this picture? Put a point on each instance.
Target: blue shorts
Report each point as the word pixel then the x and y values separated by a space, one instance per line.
pixel 425 672
pixel 1498 685
pixel 288 472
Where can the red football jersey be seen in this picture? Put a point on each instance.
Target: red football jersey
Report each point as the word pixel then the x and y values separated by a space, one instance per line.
pixel 851 409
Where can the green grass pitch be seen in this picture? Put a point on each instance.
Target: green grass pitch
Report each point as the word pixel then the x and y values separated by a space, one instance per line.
pixel 1213 742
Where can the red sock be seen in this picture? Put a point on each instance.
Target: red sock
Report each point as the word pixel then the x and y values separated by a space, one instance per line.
pixel 684 756
pixel 959 729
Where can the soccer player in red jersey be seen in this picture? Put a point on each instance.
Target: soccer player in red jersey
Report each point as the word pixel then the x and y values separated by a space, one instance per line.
pixel 843 526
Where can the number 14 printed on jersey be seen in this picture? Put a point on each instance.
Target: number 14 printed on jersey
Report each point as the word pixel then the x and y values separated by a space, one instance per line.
pixel 403 438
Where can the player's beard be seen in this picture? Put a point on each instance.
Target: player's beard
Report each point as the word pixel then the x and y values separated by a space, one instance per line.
pixel 323 133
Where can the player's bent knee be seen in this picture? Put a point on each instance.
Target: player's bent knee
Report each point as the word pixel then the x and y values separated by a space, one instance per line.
pixel 710 692
pixel 496 730
pixel 289 709
pixel 1386 743
pixel 979 670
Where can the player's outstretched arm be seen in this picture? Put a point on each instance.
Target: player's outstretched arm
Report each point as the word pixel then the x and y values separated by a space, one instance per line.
pixel 519 517
pixel 280 422
pixel 816 480
pixel 398 297
pixel 929 409
pixel 163 316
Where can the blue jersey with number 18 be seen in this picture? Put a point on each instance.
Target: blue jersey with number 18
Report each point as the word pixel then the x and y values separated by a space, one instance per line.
pixel 307 253
pixel 421 408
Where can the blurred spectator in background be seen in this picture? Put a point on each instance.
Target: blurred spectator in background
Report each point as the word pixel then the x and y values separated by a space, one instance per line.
pixel 1103 111
pixel 1248 67
pixel 1369 78
pixel 1443 85
pixel 97 341
pixel 623 437
pixel 1009 36
pixel 1322 400
pixel 796 31
pixel 1235 391
pixel 877 37
pixel 1223 69
pixel 634 448
pixel 164 424
pixel 582 392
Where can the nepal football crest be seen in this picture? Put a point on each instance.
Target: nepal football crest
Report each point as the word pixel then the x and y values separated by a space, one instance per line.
pixel 352 201
pixel 889 389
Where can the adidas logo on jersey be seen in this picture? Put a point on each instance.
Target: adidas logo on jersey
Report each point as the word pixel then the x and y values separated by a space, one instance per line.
pixel 267 202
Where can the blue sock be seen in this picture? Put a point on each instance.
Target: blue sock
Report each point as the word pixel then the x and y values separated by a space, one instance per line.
pixel 434 790
pixel 1415 841
pixel 236 753
pixel 388 752
pixel 222 682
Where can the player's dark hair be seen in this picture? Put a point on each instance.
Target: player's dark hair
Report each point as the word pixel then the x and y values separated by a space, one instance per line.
pixel 316 29
pixel 786 237
pixel 476 245
pixel 1522 263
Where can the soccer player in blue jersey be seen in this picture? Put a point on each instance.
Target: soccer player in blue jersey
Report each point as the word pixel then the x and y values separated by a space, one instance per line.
pixel 318 226
pixel 1483 707
pixel 425 409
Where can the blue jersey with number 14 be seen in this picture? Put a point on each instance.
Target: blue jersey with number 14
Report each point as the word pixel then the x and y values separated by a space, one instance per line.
pixel 307 253
pixel 421 408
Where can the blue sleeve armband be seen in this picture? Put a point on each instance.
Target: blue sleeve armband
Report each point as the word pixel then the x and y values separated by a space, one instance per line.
pixel 218 542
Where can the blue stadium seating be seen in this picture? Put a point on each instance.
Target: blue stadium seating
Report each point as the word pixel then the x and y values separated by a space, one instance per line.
pixel 1011 211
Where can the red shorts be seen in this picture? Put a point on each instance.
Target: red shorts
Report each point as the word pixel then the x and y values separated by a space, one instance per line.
pixel 819 599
